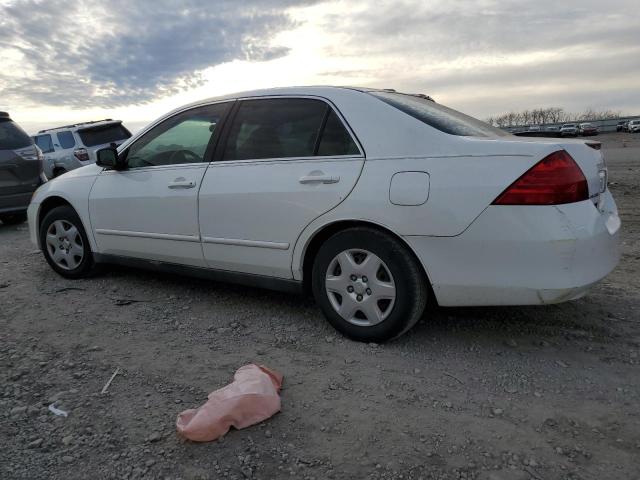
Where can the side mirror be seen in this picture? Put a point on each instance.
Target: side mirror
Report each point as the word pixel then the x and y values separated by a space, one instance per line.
pixel 108 158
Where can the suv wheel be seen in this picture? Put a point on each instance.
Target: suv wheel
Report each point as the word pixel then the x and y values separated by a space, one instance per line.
pixel 368 285
pixel 58 171
pixel 65 244
pixel 13 219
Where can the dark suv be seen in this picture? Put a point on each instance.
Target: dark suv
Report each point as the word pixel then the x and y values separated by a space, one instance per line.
pixel 20 171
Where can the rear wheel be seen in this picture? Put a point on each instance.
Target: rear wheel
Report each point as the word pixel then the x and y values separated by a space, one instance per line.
pixel 368 285
pixel 65 244
pixel 58 171
pixel 13 219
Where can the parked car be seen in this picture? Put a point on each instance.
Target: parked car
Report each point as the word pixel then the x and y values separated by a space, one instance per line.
pixel 622 126
pixel 569 130
pixel 72 146
pixel 633 126
pixel 587 129
pixel 20 171
pixel 372 200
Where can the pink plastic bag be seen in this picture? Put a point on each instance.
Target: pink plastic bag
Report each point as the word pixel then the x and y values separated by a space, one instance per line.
pixel 251 398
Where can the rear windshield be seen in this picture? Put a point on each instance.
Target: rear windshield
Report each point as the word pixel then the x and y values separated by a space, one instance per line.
pixel 12 136
pixel 438 116
pixel 113 132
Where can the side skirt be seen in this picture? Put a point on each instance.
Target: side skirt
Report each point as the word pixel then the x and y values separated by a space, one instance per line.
pixel 223 276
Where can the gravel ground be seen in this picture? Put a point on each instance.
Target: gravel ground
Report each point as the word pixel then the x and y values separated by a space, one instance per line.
pixel 547 392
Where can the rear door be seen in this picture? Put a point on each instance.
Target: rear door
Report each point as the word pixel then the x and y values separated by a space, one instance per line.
pixel 282 163
pixel 20 166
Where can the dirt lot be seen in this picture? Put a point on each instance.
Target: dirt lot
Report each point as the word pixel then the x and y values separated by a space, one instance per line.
pixel 495 393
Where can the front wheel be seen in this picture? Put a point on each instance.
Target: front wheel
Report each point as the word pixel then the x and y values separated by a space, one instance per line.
pixel 65 244
pixel 368 285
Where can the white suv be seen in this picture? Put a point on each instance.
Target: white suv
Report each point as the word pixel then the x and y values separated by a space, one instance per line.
pixel 72 146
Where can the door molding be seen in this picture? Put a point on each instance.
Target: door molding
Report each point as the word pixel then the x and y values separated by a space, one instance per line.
pixel 159 236
pixel 246 243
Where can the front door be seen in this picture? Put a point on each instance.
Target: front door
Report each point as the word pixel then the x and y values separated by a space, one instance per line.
pixel 285 162
pixel 150 210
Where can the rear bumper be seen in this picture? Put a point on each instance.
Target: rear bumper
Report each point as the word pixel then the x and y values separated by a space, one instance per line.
pixel 526 255
pixel 15 203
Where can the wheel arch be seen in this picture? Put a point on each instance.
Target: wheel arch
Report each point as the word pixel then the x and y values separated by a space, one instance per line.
pixel 323 233
pixel 49 204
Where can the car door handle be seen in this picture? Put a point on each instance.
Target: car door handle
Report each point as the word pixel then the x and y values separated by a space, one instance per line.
pixel 326 179
pixel 181 184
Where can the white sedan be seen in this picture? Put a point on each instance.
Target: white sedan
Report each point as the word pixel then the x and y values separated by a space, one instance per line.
pixel 373 200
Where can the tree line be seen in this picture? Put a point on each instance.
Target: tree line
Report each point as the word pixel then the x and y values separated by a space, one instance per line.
pixel 539 116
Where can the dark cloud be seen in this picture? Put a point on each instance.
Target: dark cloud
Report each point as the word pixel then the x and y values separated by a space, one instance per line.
pixel 88 53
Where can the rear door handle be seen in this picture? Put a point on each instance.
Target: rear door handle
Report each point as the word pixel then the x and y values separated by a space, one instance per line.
pixel 178 184
pixel 326 179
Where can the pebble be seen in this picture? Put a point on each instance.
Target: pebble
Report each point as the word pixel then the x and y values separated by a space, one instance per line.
pixel 497 411
pixel 36 443
pixel 154 437
pixel 67 459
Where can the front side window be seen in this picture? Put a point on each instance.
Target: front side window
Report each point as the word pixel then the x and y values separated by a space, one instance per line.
pixel 45 143
pixel 275 128
pixel 183 138
pixel 66 140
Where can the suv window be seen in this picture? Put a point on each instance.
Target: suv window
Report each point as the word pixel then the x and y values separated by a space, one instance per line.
pixel 183 138
pixel 66 140
pixel 275 128
pixel 45 143
pixel 100 135
pixel 336 140
pixel 12 136
pixel 438 116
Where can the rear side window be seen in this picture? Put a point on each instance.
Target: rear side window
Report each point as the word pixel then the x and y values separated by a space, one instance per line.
pixel 12 136
pixel 438 116
pixel 45 143
pixel 104 134
pixel 66 140
pixel 335 139
pixel 275 128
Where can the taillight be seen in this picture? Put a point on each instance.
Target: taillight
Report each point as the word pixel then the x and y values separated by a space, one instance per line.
pixel 554 180
pixel 81 154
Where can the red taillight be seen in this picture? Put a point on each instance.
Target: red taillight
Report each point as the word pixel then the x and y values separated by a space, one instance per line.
pixel 81 154
pixel 554 180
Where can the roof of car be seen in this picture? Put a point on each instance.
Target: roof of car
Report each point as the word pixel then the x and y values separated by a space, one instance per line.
pixel 81 125
pixel 312 90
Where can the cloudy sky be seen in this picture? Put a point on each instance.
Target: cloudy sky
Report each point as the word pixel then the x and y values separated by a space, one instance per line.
pixel 73 60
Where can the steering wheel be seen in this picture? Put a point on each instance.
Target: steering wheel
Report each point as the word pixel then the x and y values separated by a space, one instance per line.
pixel 186 155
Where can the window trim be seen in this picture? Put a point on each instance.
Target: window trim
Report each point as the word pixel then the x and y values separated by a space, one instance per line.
pixel 211 146
pixel 222 144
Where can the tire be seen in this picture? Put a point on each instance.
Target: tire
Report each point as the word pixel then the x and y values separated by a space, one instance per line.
pixel 13 219
pixel 58 171
pixel 76 259
pixel 399 275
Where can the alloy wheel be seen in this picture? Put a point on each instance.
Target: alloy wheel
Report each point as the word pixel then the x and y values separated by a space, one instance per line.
pixel 64 244
pixel 360 287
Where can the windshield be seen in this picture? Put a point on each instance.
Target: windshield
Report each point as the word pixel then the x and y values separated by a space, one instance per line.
pixel 113 132
pixel 12 136
pixel 438 116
